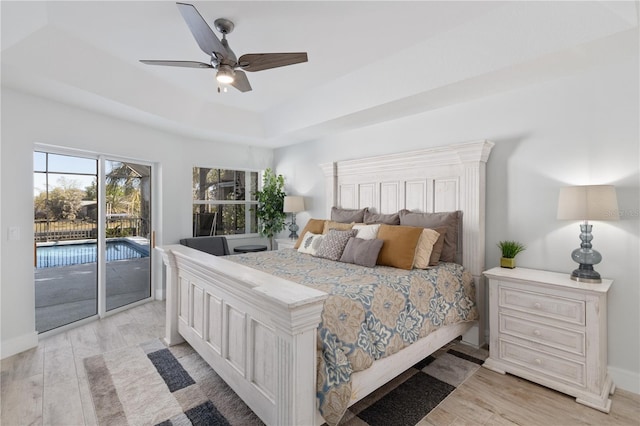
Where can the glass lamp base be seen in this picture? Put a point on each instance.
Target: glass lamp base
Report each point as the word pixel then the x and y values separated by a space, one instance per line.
pixel 586 274
pixel 293 229
pixel 586 257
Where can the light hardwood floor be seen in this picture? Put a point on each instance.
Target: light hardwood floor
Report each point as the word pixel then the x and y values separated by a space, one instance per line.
pixel 490 398
pixel 47 385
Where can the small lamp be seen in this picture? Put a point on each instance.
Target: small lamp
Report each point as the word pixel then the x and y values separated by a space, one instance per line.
pixel 293 205
pixel 589 202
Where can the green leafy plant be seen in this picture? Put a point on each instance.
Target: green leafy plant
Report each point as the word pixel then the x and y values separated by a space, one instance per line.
pixel 270 199
pixel 511 248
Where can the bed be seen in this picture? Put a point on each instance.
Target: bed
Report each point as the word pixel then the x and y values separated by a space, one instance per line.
pixel 258 326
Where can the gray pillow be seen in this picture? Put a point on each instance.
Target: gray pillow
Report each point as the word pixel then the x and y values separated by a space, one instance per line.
pixel 361 252
pixel 348 215
pixel 388 219
pixel 450 220
pixel 333 243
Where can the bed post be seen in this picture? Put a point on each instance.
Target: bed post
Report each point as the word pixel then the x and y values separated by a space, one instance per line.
pixel 330 171
pixel 172 336
pixel 296 402
pixel 472 198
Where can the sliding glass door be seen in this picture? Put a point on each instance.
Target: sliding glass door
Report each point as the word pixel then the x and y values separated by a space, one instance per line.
pixel 128 232
pixel 65 233
pixel 92 232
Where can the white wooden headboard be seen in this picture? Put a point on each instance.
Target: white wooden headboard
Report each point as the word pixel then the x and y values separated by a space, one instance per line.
pixel 438 179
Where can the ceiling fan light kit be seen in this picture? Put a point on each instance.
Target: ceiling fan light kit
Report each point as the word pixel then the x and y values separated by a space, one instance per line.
pixel 225 74
pixel 222 58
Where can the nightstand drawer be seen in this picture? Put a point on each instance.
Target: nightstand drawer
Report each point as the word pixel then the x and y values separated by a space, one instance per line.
pixel 570 310
pixel 555 368
pixel 568 340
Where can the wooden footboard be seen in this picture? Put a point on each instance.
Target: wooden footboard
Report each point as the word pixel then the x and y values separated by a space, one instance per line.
pixel 257 331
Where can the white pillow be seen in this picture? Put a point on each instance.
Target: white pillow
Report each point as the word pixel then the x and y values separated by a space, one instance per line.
pixel 424 248
pixel 310 243
pixel 367 232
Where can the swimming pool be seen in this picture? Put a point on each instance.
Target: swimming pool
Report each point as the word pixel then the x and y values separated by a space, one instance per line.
pixel 50 256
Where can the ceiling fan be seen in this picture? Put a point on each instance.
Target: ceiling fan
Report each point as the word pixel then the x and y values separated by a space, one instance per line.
pixel 222 57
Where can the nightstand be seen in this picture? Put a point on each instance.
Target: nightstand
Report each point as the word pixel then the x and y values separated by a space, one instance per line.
pixel 551 330
pixel 284 243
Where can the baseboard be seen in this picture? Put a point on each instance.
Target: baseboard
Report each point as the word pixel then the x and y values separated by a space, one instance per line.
pixel 625 379
pixel 159 294
pixel 18 344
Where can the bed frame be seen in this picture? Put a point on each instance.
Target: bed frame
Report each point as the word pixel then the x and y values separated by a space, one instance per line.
pixel 258 332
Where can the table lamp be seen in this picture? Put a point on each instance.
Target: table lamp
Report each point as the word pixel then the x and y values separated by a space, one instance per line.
pixel 293 204
pixel 589 202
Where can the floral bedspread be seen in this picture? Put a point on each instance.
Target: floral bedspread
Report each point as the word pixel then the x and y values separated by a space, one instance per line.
pixel 370 312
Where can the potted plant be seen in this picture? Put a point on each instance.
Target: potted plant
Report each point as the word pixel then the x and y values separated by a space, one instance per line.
pixel 270 203
pixel 509 251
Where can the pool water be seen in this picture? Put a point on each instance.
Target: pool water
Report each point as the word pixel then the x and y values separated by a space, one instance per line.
pixel 76 254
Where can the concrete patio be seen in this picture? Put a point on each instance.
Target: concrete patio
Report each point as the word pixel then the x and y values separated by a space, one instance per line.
pixel 69 293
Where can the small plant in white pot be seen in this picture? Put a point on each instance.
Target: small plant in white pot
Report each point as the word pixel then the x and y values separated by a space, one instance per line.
pixel 509 251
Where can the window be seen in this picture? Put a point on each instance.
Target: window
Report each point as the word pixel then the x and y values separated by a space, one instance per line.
pixel 224 202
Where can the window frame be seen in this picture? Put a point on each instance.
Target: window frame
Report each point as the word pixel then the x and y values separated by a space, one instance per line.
pixel 247 203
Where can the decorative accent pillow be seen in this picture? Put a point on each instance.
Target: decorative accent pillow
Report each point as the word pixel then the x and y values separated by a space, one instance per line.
pixel 437 247
pixel 314 225
pixel 361 252
pixel 333 244
pixel 329 224
pixel 366 232
pixel 399 246
pixel 451 220
pixel 310 243
pixel 424 248
pixel 389 219
pixel 348 215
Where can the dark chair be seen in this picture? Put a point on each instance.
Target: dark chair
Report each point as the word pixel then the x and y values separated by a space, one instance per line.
pixel 212 245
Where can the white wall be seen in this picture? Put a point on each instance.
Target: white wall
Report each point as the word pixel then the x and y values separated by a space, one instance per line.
pixel 582 129
pixel 27 120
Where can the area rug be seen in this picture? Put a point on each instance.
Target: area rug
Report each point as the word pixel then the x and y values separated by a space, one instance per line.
pixel 152 384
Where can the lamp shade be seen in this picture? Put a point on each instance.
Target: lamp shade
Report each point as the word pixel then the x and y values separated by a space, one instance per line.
pixel 588 202
pixel 293 204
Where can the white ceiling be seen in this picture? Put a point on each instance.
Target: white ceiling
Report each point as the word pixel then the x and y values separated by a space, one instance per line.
pixel 369 61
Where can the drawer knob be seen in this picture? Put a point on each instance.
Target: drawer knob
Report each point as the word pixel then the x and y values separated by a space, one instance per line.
pixel 538 361
pixel 537 305
pixel 536 332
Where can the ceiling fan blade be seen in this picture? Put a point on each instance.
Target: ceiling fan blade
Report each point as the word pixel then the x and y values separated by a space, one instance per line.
pixel 202 32
pixel 241 82
pixel 264 61
pixel 188 64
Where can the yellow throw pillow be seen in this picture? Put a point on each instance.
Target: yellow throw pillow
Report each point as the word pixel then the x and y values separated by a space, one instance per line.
pixel 330 224
pixel 399 246
pixel 425 247
pixel 315 226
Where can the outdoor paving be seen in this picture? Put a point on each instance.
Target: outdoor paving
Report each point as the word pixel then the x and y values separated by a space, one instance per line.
pixel 69 293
